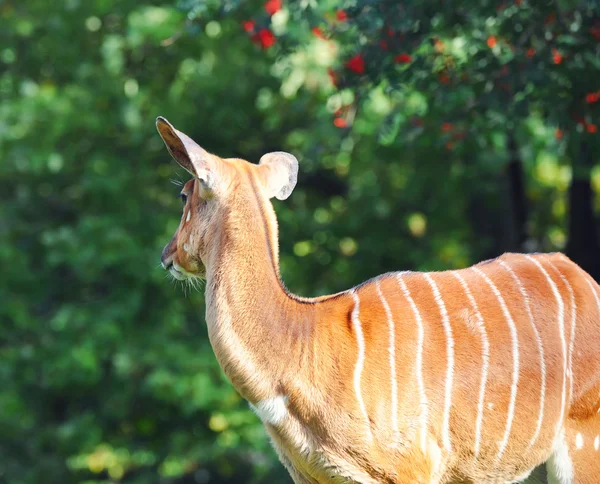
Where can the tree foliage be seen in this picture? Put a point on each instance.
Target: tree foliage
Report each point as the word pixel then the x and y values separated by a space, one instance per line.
pixel 429 137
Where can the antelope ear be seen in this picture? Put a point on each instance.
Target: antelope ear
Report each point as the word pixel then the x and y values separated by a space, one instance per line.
pixel 187 153
pixel 279 174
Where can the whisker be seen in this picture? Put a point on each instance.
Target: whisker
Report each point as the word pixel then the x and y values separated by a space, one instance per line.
pixel 197 282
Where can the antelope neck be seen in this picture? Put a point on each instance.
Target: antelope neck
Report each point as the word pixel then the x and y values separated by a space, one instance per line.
pixel 258 331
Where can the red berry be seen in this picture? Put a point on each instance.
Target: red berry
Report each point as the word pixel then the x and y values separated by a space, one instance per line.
pixel 317 32
pixel 249 25
pixel 491 41
pixel 273 6
pixel 557 58
pixel 341 15
pixel 356 64
pixel 340 123
pixel 403 58
pixel 265 38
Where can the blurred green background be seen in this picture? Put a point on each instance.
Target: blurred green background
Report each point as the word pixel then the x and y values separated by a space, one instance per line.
pixel 429 137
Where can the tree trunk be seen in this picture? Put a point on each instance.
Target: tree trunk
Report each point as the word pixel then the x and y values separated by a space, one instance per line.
pixel 582 246
pixel 516 233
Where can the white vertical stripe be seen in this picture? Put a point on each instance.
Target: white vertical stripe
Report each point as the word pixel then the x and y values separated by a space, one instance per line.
pixel 360 360
pixel 563 341
pixel 423 404
pixel 392 356
pixel 593 287
pixel 573 325
pixel 591 283
pixel 450 360
pixel 538 339
pixel 485 359
pixel 515 354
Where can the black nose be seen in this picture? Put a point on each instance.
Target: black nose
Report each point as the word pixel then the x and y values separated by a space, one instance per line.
pixel 166 258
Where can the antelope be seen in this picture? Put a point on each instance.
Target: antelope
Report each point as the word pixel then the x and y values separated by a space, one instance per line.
pixel 472 375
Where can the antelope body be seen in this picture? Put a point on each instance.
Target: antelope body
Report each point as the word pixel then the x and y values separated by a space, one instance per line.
pixel 474 375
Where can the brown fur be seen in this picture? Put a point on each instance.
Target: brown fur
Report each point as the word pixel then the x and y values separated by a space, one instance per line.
pixel 271 344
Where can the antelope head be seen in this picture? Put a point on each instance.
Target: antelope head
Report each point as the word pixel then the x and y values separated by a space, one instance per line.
pixel 219 192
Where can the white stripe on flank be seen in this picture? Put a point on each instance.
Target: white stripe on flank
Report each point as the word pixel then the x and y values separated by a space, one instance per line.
pixel 485 357
pixel 593 289
pixel 538 339
pixel 360 360
pixel 392 355
pixel 423 404
pixel 450 360
pixel 572 332
pixel 563 341
pixel 515 353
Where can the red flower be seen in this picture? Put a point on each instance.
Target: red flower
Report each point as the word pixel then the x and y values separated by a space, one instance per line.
pixel 591 128
pixel 317 32
pixel 592 97
pixel 444 78
pixel 447 127
pixel 595 31
pixel 273 6
pixel 530 52
pixel 390 32
pixel 249 25
pixel 491 42
pixel 384 44
pixel 558 133
pixel 265 38
pixel 403 58
pixel 557 58
pixel 518 3
pixel 340 123
pixel 333 77
pixel 450 145
pixel 356 64
pixel 341 15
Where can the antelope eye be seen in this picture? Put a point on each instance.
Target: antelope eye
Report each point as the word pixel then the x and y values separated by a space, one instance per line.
pixel 183 197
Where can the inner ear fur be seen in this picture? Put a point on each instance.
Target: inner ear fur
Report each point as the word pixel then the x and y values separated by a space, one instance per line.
pixel 279 172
